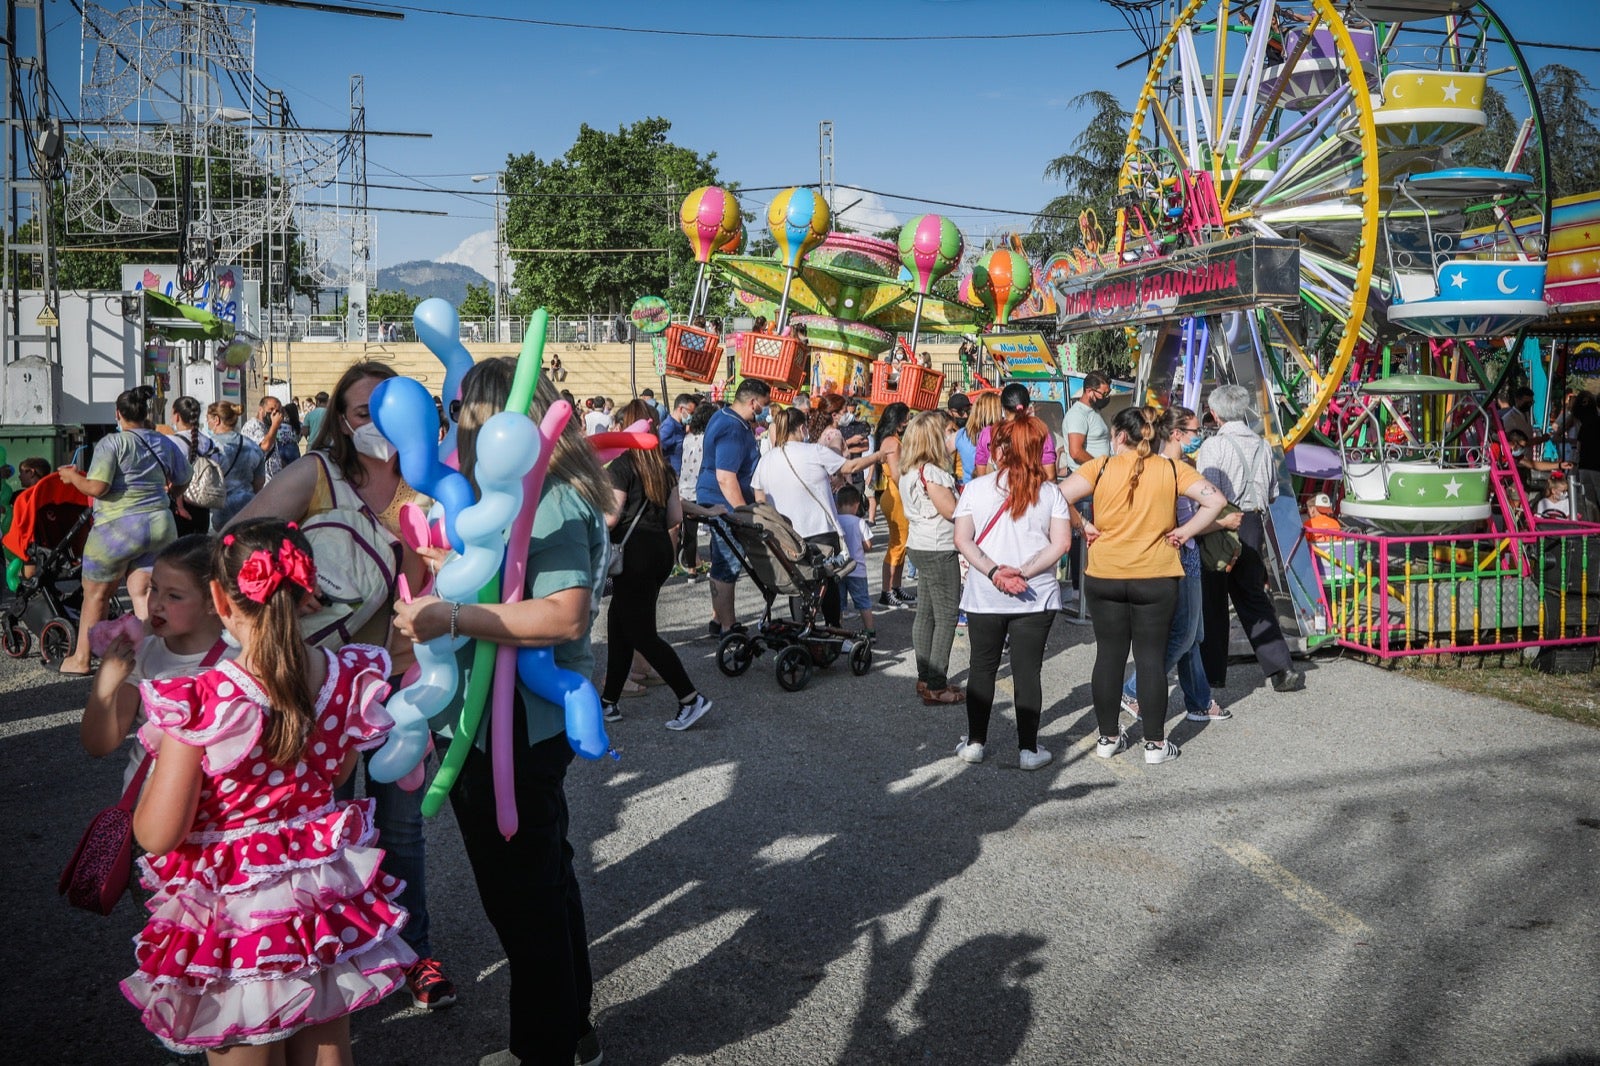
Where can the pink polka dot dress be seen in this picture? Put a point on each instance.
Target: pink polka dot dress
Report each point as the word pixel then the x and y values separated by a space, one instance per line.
pixel 273 914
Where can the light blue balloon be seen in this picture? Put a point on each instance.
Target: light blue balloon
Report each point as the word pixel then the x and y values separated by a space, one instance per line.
pixel 412 707
pixel 507 447
pixel 439 327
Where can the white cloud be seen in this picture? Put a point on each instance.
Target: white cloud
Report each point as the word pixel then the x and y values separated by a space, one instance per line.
pixel 477 252
pixel 868 216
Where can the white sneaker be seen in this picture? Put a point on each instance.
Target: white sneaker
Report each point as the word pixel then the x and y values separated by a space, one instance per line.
pixel 1166 751
pixel 1106 747
pixel 972 753
pixel 610 711
pixel 1034 760
pixel 1213 713
pixel 690 713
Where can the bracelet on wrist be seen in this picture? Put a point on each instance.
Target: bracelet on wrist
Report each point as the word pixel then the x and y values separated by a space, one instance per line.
pixel 992 571
pixel 455 620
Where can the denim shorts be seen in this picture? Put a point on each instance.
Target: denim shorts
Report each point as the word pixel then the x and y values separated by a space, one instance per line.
pixel 725 565
pixel 860 594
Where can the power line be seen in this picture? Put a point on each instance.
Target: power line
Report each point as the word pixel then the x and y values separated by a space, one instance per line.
pixel 723 36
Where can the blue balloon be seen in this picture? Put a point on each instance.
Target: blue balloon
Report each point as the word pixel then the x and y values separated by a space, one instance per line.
pixel 439 327
pixel 586 726
pixel 406 416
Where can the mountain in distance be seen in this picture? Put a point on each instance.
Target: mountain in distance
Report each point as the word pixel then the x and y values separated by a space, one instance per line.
pixel 424 278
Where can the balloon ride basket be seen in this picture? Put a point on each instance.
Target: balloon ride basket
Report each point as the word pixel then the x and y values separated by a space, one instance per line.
pixel 783 394
pixel 693 354
pixel 772 358
pixel 915 386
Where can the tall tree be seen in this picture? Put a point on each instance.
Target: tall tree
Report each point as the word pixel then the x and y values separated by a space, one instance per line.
pixel 1570 129
pixel 1088 172
pixel 609 191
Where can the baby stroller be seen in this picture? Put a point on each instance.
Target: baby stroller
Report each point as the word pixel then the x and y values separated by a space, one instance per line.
pixel 51 537
pixel 780 562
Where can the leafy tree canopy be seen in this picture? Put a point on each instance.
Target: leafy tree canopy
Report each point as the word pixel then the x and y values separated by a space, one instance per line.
pixel 608 191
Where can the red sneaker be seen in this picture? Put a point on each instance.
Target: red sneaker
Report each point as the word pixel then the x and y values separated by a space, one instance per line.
pixel 430 988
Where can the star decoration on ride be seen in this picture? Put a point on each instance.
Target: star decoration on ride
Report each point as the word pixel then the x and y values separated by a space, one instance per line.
pixel 1458 279
pixel 1451 91
pixel 1452 489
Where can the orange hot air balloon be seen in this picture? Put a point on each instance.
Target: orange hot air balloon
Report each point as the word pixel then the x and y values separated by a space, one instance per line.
pixel 1002 280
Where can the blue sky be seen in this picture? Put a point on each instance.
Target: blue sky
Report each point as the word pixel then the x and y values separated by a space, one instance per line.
pixel 968 121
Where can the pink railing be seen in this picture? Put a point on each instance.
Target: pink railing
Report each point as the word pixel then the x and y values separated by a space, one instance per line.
pixel 1393 596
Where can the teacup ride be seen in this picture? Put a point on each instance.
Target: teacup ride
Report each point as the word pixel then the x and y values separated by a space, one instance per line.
pixel 1445 283
pixel 1400 484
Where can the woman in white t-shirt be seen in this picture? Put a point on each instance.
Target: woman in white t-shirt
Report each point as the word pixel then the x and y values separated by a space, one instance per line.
pixel 1012 526
pixel 928 495
pixel 797 478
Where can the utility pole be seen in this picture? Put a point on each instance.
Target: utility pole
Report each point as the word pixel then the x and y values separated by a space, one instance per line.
pixel 825 161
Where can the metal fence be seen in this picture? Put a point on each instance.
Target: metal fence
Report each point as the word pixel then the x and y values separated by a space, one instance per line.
pixel 562 329
pixel 1427 595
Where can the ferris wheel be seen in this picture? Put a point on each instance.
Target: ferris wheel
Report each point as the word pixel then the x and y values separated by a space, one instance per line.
pixel 1298 126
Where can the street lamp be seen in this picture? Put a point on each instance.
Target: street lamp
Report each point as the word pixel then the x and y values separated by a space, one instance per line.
pixel 499 250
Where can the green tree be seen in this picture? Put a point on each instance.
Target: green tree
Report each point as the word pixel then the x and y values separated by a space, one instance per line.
pixel 1089 173
pixel 390 305
pixel 610 190
pixel 1491 146
pixel 1570 129
pixel 479 302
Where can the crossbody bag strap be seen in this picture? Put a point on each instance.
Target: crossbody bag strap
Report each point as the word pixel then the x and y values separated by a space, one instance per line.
pixel 1003 507
pixel 623 543
pixel 837 528
pixel 130 795
pixel 151 448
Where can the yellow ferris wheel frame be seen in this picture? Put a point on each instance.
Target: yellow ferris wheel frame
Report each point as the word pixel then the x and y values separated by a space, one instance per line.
pixel 1330 376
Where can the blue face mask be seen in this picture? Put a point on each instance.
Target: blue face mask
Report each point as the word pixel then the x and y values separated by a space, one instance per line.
pixel 1192 445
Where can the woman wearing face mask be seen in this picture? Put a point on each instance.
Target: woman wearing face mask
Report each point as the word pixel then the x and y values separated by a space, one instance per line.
pixel 349 448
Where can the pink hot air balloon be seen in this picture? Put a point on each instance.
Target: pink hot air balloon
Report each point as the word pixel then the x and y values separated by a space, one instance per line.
pixel 930 245
pixel 708 216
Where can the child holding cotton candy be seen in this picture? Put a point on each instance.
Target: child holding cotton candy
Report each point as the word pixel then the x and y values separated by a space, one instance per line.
pixel 185 637
pixel 271 919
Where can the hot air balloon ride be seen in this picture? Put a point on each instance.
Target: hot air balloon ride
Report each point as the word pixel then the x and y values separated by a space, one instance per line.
pixel 709 217
pixel 930 247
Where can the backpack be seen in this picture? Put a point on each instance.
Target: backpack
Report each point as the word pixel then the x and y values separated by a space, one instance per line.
pixel 208 482
pixel 358 563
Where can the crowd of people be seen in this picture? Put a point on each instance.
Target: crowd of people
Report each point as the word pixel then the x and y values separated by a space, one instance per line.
pixel 258 696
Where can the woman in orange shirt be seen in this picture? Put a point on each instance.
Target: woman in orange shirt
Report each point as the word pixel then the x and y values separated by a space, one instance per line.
pixel 1131 580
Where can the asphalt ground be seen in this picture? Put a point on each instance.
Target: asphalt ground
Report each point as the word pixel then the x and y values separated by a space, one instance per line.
pixel 1373 870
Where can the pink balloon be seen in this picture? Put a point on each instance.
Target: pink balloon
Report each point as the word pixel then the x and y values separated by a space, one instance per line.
pixel 417 774
pixel 514 576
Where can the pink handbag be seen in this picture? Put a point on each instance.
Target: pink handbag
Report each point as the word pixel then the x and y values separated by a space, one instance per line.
pixel 97 874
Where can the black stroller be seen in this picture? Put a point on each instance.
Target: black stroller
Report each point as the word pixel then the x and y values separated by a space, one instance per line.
pixel 780 562
pixel 47 603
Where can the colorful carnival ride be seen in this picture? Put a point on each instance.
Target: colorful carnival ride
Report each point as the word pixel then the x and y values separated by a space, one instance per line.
pixel 1309 205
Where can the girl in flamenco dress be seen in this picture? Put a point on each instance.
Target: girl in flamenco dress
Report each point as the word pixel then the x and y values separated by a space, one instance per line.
pixel 270 919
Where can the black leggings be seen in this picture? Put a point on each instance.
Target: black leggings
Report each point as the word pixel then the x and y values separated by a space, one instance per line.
pixel 631 618
pixel 986 633
pixel 1136 612
pixel 830 586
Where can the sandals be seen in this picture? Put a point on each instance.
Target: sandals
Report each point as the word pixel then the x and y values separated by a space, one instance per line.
pixel 934 697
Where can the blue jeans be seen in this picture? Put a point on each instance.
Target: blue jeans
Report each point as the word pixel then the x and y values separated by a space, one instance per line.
pixel 1183 641
pixel 405 849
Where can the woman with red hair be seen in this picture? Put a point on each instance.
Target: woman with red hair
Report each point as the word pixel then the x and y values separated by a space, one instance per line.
pixel 1012 526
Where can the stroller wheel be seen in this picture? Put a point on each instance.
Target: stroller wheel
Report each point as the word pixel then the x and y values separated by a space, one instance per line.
pixel 861 658
pixel 55 642
pixel 18 641
pixel 735 654
pixel 794 668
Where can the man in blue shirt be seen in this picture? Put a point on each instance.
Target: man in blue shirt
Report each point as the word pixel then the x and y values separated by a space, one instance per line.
pixel 728 464
pixel 671 431
pixel 649 397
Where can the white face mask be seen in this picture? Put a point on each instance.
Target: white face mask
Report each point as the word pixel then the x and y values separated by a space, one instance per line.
pixel 370 441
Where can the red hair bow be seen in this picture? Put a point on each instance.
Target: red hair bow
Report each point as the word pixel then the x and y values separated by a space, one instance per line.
pixel 264 571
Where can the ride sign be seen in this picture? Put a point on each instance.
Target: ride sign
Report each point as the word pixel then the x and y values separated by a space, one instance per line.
pixel 650 314
pixel 1232 275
